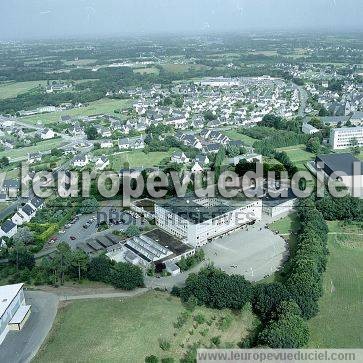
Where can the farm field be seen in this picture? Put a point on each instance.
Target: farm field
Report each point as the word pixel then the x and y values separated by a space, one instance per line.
pixel 12 89
pixel 128 330
pixel 41 147
pixel 298 155
pixel 234 135
pixel 138 159
pixel 104 105
pixel 340 319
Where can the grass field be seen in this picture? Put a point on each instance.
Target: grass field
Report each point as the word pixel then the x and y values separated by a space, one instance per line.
pixel 181 68
pixel 139 159
pixel 152 70
pixel 105 105
pixel 340 320
pixel 298 155
pixel 9 90
pixel 128 330
pixel 234 135
pixel 41 146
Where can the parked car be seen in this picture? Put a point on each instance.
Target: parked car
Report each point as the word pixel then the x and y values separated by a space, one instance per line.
pixel 72 238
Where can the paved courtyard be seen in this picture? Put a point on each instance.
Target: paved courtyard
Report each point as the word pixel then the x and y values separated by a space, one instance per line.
pixel 21 346
pixel 254 252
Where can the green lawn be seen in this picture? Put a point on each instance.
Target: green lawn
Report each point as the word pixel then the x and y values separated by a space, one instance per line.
pixel 128 330
pixel 340 320
pixel 12 89
pixel 234 135
pixel 139 159
pixel 298 155
pixel 41 147
pixel 104 105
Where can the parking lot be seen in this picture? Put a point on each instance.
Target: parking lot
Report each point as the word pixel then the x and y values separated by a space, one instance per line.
pixel 85 226
pixel 254 252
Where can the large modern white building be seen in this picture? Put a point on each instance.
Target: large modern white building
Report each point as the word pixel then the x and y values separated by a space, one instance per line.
pixel 13 310
pixel 346 137
pixel 199 220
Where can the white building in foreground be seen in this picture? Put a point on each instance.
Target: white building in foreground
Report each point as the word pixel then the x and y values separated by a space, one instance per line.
pixel 13 310
pixel 346 137
pixel 198 221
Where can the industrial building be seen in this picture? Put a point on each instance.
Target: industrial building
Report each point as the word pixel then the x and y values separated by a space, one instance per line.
pixel 197 221
pixel 13 310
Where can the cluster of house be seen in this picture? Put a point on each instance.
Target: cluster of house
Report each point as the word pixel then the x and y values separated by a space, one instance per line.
pixel 237 101
pixel 23 215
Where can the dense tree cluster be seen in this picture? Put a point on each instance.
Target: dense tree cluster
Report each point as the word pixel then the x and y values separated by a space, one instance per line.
pixel 346 208
pixel 216 289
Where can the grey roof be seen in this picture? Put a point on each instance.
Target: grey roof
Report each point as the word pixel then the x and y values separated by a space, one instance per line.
pixel 11 183
pixel 8 225
pixel 37 202
pixel 193 212
pixel 340 162
pixel 28 210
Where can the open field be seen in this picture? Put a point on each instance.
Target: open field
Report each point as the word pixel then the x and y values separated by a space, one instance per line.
pixel 181 68
pixel 105 105
pixel 340 320
pixel 152 70
pixel 298 155
pixel 139 159
pixel 128 330
pixel 234 135
pixel 12 89
pixel 41 147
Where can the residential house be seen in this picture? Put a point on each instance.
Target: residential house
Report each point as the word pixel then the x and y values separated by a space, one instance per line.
pixel 102 163
pixel 46 134
pixel 8 229
pixel 24 215
pixel 106 144
pixel 179 157
pixel 81 161
pixel 34 157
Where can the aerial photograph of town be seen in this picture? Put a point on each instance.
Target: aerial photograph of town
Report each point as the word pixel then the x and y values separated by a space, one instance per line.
pixel 181 181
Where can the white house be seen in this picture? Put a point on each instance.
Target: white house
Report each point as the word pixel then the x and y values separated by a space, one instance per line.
pixel 196 168
pixel 47 134
pixel 102 163
pixel 81 161
pixel 13 309
pixel 106 144
pixel 8 229
pixel 24 215
pixel 179 158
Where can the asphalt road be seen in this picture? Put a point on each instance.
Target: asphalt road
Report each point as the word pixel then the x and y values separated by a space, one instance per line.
pixel 21 346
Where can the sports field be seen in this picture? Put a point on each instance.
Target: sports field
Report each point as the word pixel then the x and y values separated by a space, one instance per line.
pixel 128 330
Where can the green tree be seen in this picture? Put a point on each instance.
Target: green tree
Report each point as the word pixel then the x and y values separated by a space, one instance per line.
pixel 132 230
pixel 290 331
pixel 21 257
pixel 91 132
pixel 313 145
pixel 89 205
pixel 80 260
pixel 126 276
pixel 99 268
pixel 24 236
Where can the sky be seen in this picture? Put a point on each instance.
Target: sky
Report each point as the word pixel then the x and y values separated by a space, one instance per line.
pixel 20 19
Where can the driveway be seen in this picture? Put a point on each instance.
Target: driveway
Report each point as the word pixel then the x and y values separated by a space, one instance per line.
pixel 21 346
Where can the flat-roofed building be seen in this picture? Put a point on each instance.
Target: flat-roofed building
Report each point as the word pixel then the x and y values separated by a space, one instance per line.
pixel 344 168
pixel 199 220
pixel 13 310
pixel 346 137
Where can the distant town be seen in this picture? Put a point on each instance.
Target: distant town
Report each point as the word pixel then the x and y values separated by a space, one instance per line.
pixel 93 278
